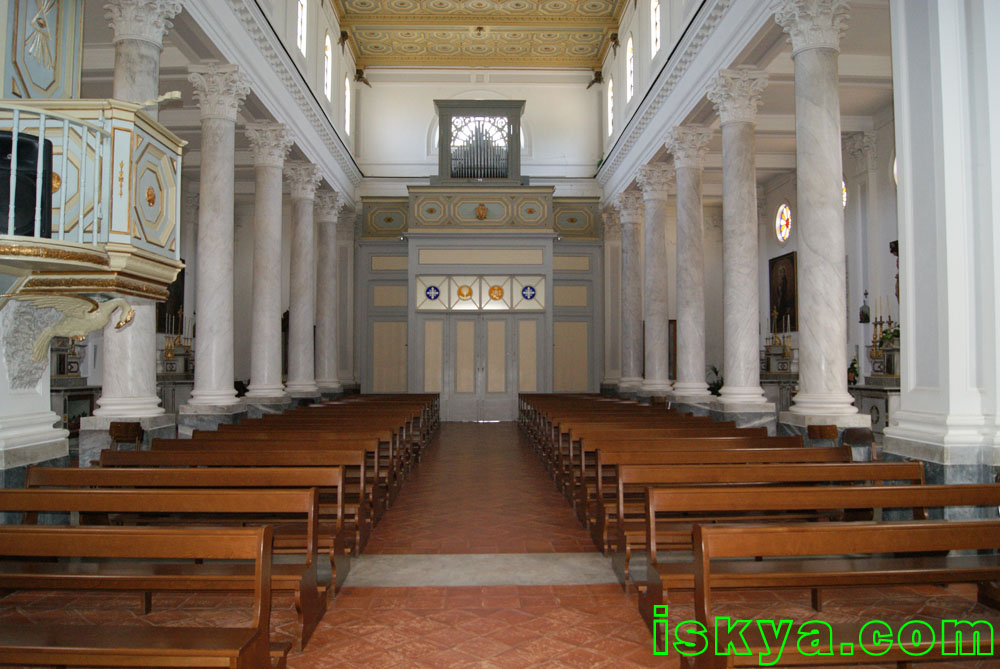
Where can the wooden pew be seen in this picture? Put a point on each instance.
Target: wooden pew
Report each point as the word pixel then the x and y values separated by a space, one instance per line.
pixel 358 512
pixel 289 537
pixel 185 507
pixel 113 645
pixel 692 506
pixel 859 550
pixel 584 456
pixel 621 524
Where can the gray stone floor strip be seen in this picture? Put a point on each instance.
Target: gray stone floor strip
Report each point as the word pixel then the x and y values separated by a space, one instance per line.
pixel 481 569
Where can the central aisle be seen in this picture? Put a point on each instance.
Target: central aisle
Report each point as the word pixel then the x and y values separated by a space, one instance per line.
pixel 479 489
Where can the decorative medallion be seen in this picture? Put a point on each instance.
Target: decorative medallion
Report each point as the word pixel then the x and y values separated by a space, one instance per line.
pixel 56 181
pixel 571 219
pixel 431 210
pixel 465 292
pixel 528 292
pixel 150 196
pixel 387 219
pixel 530 210
pixel 481 212
pixel 432 292
pixel 496 292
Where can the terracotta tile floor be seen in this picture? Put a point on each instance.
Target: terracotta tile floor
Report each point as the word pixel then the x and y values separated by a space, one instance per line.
pixel 480 489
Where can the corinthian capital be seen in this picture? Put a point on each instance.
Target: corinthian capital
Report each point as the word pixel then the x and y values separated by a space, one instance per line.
pixel 813 24
pixel 219 88
pixel 328 205
pixel 270 143
pixel 861 147
pixel 736 94
pixel 303 178
pixel 687 143
pixel 630 207
pixel 146 20
pixel 655 180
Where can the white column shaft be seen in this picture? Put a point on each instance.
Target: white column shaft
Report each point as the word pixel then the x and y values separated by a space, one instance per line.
pixel 631 305
pixel 821 262
pixel 690 285
pixel 213 374
pixel 129 368
pixel 326 307
pixel 655 295
pixel 137 72
pixel 265 345
pixel 302 307
pixel 739 260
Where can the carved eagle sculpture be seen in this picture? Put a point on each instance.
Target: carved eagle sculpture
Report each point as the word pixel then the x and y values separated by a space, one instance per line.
pixel 81 315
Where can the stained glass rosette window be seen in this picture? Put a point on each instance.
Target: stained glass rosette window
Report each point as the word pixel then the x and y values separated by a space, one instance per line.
pixel 843 192
pixel 464 293
pixel 496 293
pixel 783 223
pixel 432 293
pixel 529 293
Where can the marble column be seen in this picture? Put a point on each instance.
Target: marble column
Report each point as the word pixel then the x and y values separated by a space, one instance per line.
pixel 270 143
pixel 736 94
pixel 688 144
pixel 128 364
pixel 327 209
pixel 655 180
pixel 612 297
pixel 219 89
pixel 630 214
pixel 344 292
pixel 139 27
pixel 303 178
pixel 815 28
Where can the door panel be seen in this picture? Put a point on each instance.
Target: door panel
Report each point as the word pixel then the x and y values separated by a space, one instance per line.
pixel 527 355
pixel 389 357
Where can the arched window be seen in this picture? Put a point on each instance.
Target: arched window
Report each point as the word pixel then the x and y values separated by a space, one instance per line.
pixel 611 105
pixel 327 68
pixel 300 27
pixel 347 105
pixel 654 24
pixel 629 70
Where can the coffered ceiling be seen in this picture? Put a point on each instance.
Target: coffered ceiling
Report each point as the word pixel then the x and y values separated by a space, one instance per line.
pixel 479 33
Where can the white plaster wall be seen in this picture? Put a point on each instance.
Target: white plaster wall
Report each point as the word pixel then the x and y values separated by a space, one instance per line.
pixel 397 118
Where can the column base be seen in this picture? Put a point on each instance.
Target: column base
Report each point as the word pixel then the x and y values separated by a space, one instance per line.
pixel 742 395
pixel 129 406
pixel 629 387
pixel 30 439
pixel 750 414
pixel 259 406
pixel 275 393
pixel 699 405
pixel 825 404
pixel 656 388
pixel 213 398
pixel 946 465
pixel 14 464
pixel 797 425
pixel 207 417
pixel 94 435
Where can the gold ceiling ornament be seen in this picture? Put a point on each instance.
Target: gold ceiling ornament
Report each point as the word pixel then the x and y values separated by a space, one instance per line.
pixel 481 212
pixel 150 196
pixel 81 316
pixel 481 33
pixel 56 181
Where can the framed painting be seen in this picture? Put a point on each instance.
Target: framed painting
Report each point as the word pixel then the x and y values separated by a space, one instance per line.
pixel 784 308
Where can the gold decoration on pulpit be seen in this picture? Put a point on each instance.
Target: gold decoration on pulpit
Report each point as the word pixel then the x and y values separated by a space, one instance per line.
pixel 56 181
pixel 481 212
pixel 150 196
pixel 81 316
pixel 121 178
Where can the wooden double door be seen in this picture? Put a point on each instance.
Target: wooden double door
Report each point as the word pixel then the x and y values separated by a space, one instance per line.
pixel 485 361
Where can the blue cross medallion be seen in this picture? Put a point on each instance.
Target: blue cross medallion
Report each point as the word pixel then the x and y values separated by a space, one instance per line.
pixel 432 292
pixel 528 292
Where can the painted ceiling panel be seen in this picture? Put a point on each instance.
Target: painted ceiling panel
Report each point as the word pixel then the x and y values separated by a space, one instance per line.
pixel 490 33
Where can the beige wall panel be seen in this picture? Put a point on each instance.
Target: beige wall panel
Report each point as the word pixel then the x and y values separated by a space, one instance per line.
pixel 433 335
pixel 389 296
pixel 527 356
pixel 465 356
pixel 389 357
pixel 389 263
pixel 570 296
pixel 571 263
pixel 496 356
pixel 569 357
pixel 481 256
